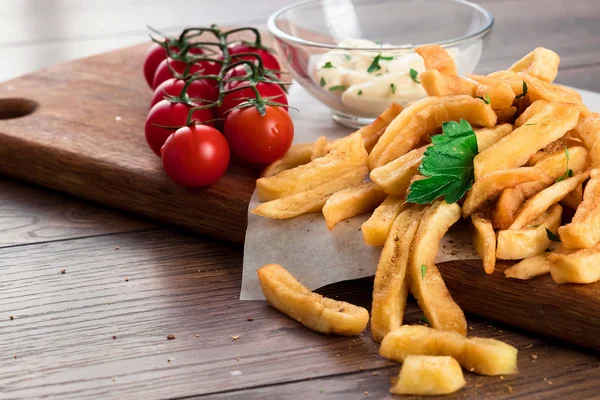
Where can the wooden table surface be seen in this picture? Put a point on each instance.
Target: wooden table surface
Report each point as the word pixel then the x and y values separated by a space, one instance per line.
pixel 99 330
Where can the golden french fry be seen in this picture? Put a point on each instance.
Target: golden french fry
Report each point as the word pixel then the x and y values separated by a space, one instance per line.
pixel 588 130
pixel 436 57
pixel 505 115
pixel 311 200
pixel 484 241
pixel 507 207
pixel 425 282
pixel 352 201
pixel 399 138
pixel 319 148
pixel 575 266
pixel 437 84
pixel 529 268
pixel 574 198
pixel 530 111
pixel 394 177
pixel 390 288
pixel 298 154
pixel 488 136
pixel 500 94
pixel 551 123
pixel 376 229
pixel 529 241
pixel 428 375
pixel 538 204
pixel 347 157
pixel 479 355
pixel 284 293
pixel 492 184
pixel 541 63
pixel 591 197
pixel 583 230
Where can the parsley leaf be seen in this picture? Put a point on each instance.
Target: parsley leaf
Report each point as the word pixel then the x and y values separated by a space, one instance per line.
pixel 322 82
pixel 568 171
pixel 424 319
pixel 328 64
pixel 393 87
pixel 374 67
pixel 386 58
pixel 448 165
pixel 423 271
pixel 552 236
pixel 359 92
pixel 336 88
pixel 347 57
pixel 414 75
pixel 485 99
pixel 524 91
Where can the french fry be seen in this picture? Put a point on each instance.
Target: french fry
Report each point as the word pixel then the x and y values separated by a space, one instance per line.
pixel 529 268
pixel 484 241
pixel 311 200
pixel 500 94
pixel 319 148
pixel 347 157
pixel 479 355
pixel 492 184
pixel 425 117
pixel 284 293
pixel 529 241
pixel 541 63
pixel 352 201
pixel 507 207
pixel 425 282
pixel 428 375
pixel 436 57
pixel 550 124
pixel 390 288
pixel 488 136
pixel 588 130
pixel 394 177
pixel 591 197
pixel 583 230
pixel 505 115
pixel 376 229
pixel 530 111
pixel 437 84
pixel 575 266
pixel 538 204
pixel 298 154
pixel 574 198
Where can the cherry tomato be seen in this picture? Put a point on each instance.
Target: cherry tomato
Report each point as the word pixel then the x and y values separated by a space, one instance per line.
pixel 165 113
pixel 156 54
pixel 269 61
pixel 240 70
pixel 259 139
pixel 195 156
pixel 265 89
pixel 200 89
pixel 163 73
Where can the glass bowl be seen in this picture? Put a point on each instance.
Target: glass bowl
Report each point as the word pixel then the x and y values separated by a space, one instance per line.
pixel 357 56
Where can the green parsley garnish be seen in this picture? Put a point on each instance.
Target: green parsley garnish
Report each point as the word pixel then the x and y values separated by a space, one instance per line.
pixel 328 64
pixel 322 82
pixel 393 87
pixel 359 92
pixel 375 64
pixel 414 75
pixel 524 91
pixel 552 236
pixel 386 58
pixel 337 87
pixel 347 57
pixel 530 124
pixel 485 99
pixel 424 319
pixel 423 271
pixel 568 171
pixel 447 164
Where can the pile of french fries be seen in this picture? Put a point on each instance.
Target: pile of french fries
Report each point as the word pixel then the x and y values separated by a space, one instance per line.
pixel 538 153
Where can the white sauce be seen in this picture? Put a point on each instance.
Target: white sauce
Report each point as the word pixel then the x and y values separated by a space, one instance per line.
pixel 346 73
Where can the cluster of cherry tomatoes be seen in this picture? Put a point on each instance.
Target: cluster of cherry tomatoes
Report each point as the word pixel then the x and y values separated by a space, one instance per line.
pixel 212 98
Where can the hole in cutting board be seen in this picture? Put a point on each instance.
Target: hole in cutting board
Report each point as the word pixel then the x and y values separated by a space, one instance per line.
pixel 16 108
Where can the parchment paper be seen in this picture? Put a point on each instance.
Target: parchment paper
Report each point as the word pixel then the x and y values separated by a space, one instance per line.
pixel 305 247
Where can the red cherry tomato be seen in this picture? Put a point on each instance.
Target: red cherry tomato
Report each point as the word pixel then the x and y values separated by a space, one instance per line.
pixel 230 100
pixel 200 89
pixel 155 55
pixel 195 156
pixel 259 139
pixel 163 73
pixel 269 61
pixel 240 70
pixel 165 113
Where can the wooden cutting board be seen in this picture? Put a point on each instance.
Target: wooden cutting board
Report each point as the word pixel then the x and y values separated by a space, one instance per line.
pixel 78 128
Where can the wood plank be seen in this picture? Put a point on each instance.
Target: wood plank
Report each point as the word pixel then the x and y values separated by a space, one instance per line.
pixel 177 284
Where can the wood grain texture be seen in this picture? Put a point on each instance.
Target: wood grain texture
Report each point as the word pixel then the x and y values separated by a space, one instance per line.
pixel 163 282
